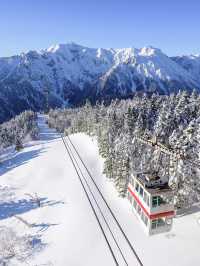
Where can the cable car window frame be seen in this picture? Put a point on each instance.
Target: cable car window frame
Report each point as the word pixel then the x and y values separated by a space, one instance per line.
pixel 137 186
pixel 141 191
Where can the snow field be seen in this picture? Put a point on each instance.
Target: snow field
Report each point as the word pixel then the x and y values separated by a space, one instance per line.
pixel 64 227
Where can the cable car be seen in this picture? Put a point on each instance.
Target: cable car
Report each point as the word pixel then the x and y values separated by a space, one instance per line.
pixel 152 201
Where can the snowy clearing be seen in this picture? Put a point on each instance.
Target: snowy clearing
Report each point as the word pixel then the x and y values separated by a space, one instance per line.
pixel 45 211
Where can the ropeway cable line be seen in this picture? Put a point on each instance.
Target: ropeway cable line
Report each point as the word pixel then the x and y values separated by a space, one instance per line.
pixel 98 206
pixel 90 202
pixel 109 208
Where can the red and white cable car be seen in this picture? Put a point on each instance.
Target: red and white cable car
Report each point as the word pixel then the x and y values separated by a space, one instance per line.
pixel 153 202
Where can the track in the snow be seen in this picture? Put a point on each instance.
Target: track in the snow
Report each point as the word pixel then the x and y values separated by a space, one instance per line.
pixel 117 241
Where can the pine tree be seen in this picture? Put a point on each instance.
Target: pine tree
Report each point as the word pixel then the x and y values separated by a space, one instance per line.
pixel 18 144
pixel 172 119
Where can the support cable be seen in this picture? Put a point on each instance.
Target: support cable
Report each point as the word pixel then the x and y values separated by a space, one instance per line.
pixel 88 186
pixel 93 209
pixel 102 196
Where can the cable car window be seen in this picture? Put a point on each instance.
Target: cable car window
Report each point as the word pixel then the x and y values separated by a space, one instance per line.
pixel 155 201
pixel 137 187
pixel 142 216
pixel 139 209
pixel 157 223
pixel 145 196
pixel 147 200
pixel 153 224
pixel 141 191
pixel 160 222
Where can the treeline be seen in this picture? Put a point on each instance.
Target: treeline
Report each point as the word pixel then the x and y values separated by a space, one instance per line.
pixel 19 129
pixel 173 120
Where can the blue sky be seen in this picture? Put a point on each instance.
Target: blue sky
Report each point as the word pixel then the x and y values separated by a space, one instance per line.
pixel 173 26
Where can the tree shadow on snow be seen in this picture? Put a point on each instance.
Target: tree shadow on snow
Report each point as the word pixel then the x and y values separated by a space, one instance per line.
pixel 43 226
pixel 37 243
pixel 19 159
pixel 193 209
pixel 12 208
pixel 46 133
pixel 49 135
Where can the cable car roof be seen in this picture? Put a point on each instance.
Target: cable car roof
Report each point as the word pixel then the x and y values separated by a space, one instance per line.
pixel 152 184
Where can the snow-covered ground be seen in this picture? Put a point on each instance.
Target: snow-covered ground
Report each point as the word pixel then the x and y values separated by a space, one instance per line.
pixel 63 230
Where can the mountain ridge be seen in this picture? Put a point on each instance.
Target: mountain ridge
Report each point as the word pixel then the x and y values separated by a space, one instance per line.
pixel 70 73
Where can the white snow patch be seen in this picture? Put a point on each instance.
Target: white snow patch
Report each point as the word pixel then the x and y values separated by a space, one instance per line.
pixel 64 225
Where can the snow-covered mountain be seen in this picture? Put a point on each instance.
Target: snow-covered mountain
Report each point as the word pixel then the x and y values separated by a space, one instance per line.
pixel 190 63
pixel 70 73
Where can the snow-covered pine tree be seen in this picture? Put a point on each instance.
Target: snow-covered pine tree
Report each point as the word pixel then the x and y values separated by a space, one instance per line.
pixel 122 166
pixel 18 144
pixel 167 117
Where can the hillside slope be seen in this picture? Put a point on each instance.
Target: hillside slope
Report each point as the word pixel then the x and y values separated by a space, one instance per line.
pixel 190 63
pixel 63 229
